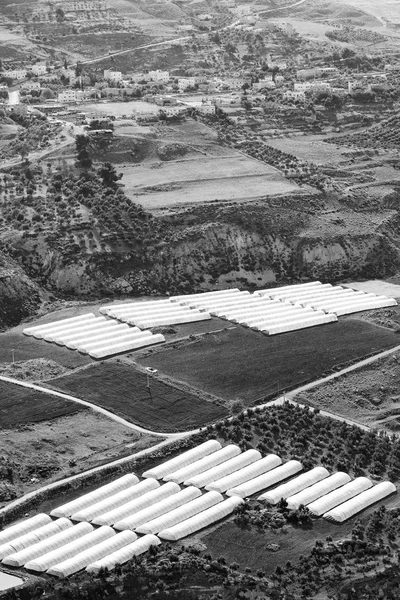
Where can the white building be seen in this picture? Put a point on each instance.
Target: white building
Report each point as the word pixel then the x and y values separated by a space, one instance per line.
pixel 39 69
pixel 206 109
pixel 13 98
pixel 15 74
pixel 71 96
pixel 112 75
pixel 185 83
pixel 301 87
pixel 31 85
pixel 159 76
pixel 293 95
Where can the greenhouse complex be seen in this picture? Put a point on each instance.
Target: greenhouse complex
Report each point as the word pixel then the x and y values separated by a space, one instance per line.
pixel 126 327
pixel 174 500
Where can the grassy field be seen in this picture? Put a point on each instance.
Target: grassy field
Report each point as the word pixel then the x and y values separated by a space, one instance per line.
pixel 123 389
pixel 19 405
pixel 243 364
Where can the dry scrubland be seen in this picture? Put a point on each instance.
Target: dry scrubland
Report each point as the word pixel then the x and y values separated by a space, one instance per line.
pixel 370 395
pixel 243 364
pixel 57 447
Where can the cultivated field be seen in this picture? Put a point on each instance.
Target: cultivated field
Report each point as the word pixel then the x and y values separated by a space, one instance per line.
pixel 310 148
pixel 202 180
pixel 20 405
pixel 123 389
pixel 243 364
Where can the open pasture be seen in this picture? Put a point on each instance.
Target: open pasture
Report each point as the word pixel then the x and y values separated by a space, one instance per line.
pixel 20 405
pixel 123 389
pixel 242 364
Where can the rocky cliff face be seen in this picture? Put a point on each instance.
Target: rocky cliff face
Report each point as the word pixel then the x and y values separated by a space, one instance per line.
pixel 19 295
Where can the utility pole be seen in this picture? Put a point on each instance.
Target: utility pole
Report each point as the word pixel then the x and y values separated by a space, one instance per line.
pixel 149 373
pixel 13 356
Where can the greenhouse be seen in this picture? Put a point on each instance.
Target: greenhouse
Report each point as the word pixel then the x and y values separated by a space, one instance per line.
pixel 129 508
pixel 86 317
pixel 266 480
pixel 160 508
pixel 110 349
pixel 355 505
pixel 33 537
pixel 205 463
pixel 119 337
pixel 122 483
pixel 182 513
pixel 86 557
pixel 300 286
pixel 317 490
pixel 170 319
pixel 60 328
pixel 225 468
pixel 242 475
pixel 201 520
pixel 126 553
pixel 184 459
pixel 93 325
pixel 11 533
pixel 56 541
pixel 295 485
pixel 46 561
pixel 115 500
pixel 344 493
pixel 95 337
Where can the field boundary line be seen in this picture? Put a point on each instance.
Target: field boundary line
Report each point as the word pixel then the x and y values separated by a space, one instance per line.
pixel 93 407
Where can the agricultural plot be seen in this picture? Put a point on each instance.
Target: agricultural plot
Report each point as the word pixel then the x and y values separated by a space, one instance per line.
pixel 123 389
pixel 203 179
pixel 243 364
pixel 20 405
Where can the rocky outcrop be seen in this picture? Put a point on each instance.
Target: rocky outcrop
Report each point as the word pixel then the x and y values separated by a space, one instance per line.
pixel 19 295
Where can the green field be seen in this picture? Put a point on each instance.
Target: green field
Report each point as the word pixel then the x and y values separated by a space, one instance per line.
pixel 19 406
pixel 123 389
pixel 244 364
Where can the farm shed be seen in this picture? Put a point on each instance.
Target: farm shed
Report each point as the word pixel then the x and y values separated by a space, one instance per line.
pixel 86 557
pixel 266 480
pixel 355 505
pixel 130 508
pixel 87 514
pixel 158 509
pixel 46 561
pixel 317 490
pixel 10 533
pixel 122 483
pixel 336 497
pixel 33 537
pixel 201 520
pixel 225 468
pixel 294 486
pixel 119 557
pixel 205 463
pixel 182 513
pixel 49 545
pixel 184 459
pixel 242 475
